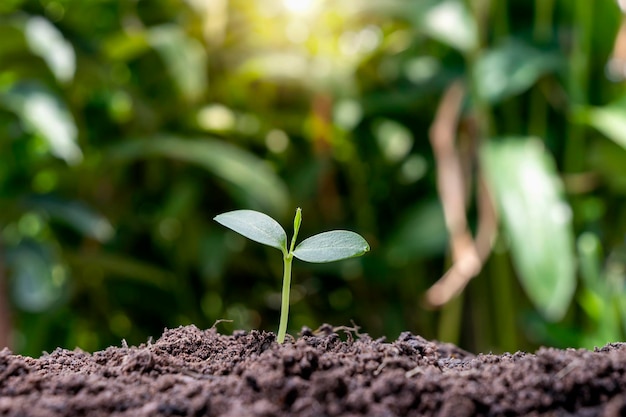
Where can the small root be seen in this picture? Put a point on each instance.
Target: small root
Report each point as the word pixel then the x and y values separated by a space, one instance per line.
pixel 218 321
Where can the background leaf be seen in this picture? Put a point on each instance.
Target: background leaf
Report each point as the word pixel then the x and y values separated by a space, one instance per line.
pixel 80 217
pixel 184 58
pixel 536 218
pixel 251 177
pixel 451 22
pixel 511 68
pixel 39 279
pixel 48 42
pixel 46 115
pixel 609 120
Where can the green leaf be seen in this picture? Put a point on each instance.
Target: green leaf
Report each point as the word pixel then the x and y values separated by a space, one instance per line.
pixel 44 114
pixel 184 58
pixel 255 226
pixel 75 214
pixel 608 120
pixel 331 246
pixel 34 266
pixel 448 21
pixel 525 184
pixel 120 267
pixel 48 42
pixel 248 176
pixel 452 23
pixel 511 68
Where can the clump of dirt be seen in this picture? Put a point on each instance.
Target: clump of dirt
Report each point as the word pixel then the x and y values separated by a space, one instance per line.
pixel 192 372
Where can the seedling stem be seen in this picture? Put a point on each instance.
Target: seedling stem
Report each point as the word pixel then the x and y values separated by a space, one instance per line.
pixel 288 259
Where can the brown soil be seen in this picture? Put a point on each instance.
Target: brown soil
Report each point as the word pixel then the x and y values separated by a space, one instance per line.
pixel 191 372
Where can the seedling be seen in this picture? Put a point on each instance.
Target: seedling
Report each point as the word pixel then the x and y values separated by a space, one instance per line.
pixel 324 247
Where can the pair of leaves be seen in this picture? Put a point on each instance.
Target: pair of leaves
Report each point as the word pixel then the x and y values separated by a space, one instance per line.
pixel 324 247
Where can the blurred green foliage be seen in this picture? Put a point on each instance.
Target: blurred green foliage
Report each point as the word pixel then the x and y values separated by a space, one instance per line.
pixel 125 126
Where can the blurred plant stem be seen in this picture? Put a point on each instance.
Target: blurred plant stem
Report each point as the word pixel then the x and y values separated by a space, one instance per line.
pixel 538 111
pixel 544 10
pixel 578 85
pixel 481 110
pixel 451 320
pixel 6 327
pixel 486 128
pixel 502 282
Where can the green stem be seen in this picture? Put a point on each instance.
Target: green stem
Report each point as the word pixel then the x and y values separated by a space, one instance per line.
pixel 287 260
pixel 284 309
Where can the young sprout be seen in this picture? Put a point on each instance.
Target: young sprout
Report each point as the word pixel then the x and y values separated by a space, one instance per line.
pixel 324 247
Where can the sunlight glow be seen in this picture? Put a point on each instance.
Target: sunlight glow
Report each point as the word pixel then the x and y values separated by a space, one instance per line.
pixel 301 7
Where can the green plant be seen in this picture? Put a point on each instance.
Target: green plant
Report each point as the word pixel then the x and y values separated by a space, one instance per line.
pixel 324 247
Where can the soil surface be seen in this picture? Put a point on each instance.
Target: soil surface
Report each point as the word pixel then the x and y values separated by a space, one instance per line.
pixel 192 372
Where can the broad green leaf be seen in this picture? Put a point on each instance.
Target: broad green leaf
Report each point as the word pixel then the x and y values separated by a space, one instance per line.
pixel 38 279
pixel 45 40
pixel 248 176
pixel 331 246
pixel 609 120
pixel 452 23
pixel 511 68
pixel 448 21
pixel 119 266
pixel 255 226
pixel 75 214
pixel 184 58
pixel 44 114
pixel 537 219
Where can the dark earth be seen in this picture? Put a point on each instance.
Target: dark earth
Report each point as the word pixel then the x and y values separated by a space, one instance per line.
pixel 192 372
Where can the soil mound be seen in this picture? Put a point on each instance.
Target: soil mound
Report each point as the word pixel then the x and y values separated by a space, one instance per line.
pixel 192 372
